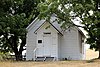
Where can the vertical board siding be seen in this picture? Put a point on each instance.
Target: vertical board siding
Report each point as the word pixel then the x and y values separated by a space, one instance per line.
pixel 54 35
pixel 70 45
pixel 31 44
pixel 66 46
pixel 59 46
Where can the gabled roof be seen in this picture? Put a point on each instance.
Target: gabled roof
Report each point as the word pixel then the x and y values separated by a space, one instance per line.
pixel 36 24
pixel 32 23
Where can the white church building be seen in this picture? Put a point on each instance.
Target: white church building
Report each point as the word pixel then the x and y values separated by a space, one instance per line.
pixel 47 39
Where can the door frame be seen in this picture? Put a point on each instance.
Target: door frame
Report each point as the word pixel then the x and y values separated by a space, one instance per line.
pixel 47 47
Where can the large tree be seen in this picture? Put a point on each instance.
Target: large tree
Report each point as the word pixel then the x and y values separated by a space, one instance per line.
pixel 15 15
pixel 87 12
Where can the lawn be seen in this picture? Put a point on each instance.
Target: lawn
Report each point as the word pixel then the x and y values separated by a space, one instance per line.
pixel 86 63
pixel 95 63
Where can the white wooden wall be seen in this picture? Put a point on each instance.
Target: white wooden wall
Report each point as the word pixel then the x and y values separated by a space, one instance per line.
pixel 82 44
pixel 31 44
pixel 70 48
pixel 54 37
pixel 32 40
pixel 66 46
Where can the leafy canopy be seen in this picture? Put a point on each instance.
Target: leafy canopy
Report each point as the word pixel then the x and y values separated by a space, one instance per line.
pixel 15 15
pixel 87 12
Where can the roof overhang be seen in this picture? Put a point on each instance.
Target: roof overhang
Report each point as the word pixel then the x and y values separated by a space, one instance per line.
pixel 51 25
pixel 54 24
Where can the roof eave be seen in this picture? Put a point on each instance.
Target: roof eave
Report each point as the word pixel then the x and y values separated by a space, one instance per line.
pixel 28 27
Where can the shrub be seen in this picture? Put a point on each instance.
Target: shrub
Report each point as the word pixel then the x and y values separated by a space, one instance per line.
pixel 4 56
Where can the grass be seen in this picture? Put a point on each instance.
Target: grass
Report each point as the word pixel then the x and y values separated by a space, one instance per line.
pixel 86 63
pixel 91 54
pixel 95 63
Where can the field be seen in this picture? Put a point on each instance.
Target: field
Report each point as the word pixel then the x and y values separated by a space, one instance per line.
pixel 86 63
pixel 91 54
pixel 95 63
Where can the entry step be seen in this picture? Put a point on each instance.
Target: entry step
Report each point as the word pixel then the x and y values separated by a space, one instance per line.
pixel 40 58
pixel 49 58
pixel 45 59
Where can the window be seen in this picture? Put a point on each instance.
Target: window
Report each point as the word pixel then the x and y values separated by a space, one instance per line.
pixel 48 33
pixel 39 41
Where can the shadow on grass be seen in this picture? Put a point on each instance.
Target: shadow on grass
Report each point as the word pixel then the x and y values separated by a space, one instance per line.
pixel 92 60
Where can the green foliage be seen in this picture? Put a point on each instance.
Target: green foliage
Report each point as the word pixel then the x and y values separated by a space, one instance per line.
pixel 68 10
pixel 12 26
pixel 57 7
pixel 15 16
pixel 4 56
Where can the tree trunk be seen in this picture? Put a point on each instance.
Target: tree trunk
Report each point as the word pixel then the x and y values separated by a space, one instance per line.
pixel 20 52
pixel 18 56
pixel 99 54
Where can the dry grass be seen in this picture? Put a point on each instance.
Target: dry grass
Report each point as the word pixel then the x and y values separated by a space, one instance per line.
pixel 89 63
pixel 91 54
pixel 52 64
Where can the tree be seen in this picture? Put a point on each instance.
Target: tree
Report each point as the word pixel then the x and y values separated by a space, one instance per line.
pixel 87 12
pixel 15 15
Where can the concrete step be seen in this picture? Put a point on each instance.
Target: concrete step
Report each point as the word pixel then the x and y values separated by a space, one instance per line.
pixel 49 59
pixel 40 58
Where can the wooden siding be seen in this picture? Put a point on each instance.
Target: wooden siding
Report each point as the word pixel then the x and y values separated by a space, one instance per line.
pixel 66 46
pixel 70 45
pixel 53 36
pixel 31 44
